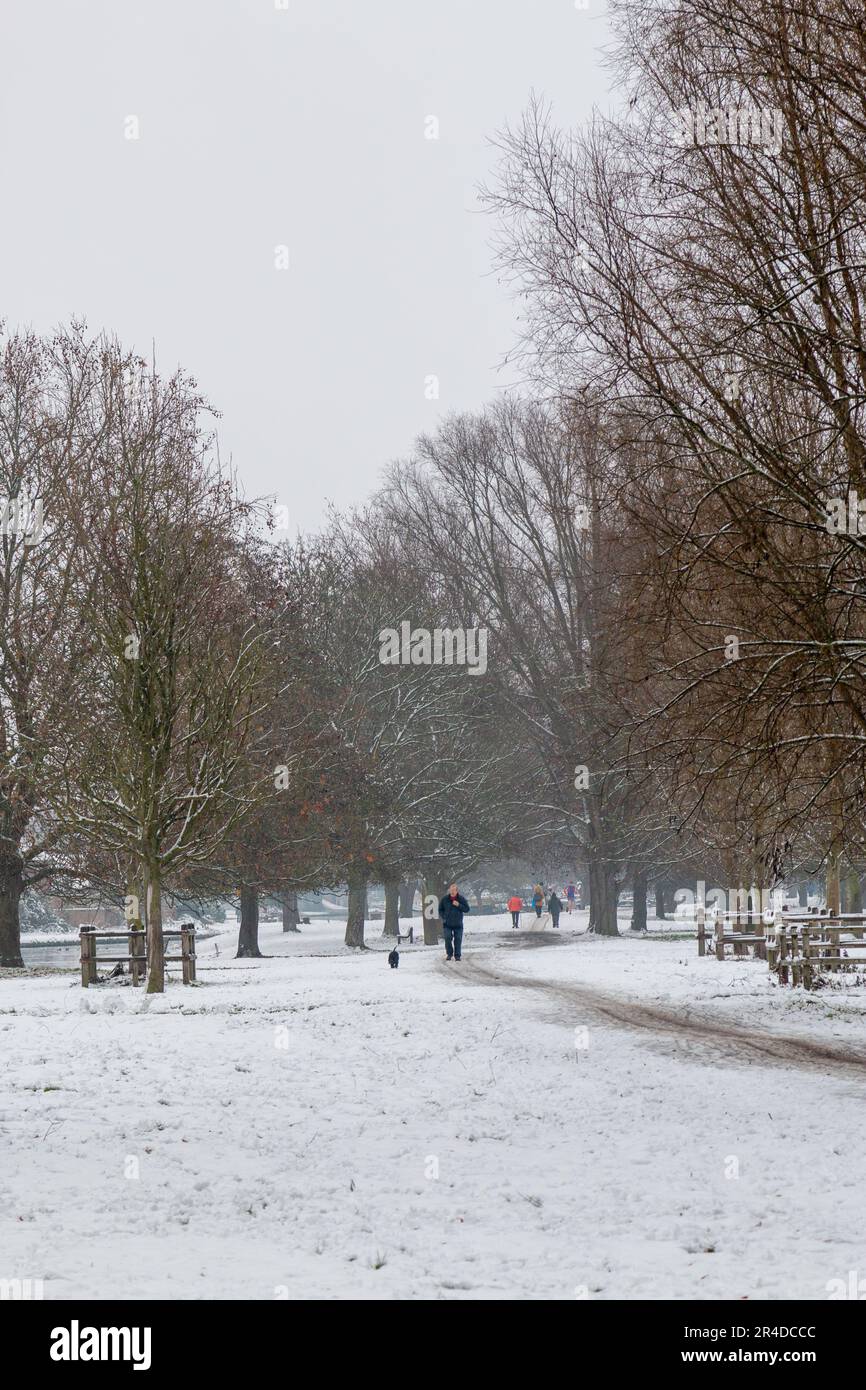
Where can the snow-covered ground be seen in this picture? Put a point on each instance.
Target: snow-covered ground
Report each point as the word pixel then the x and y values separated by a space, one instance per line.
pixel 314 1124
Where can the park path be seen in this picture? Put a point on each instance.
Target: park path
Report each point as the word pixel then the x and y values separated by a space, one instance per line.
pixel 691 1034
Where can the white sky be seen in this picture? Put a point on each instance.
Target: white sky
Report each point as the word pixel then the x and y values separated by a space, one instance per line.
pixel 261 127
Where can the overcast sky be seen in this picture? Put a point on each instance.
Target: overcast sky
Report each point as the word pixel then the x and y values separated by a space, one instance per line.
pixel 261 127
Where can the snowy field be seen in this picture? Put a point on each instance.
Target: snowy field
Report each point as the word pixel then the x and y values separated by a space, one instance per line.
pixel 536 1122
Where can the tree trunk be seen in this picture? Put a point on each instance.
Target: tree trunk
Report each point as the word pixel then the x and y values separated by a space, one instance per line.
pixel 155 940
pixel 134 905
pixel 834 866
pixel 660 900
pixel 638 914
pixel 392 908
pixel 248 936
pixel 407 899
pixel 603 900
pixel 11 884
pixel 834 884
pixel 291 915
pixel 803 893
pixel 432 923
pixel 853 892
pixel 355 918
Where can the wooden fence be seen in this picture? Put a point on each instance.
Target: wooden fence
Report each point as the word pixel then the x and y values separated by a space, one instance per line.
pixel 744 931
pixel 136 955
pixel 802 947
pixel 797 946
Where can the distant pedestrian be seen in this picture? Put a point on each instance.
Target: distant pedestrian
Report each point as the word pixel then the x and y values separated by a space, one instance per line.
pixel 452 910
pixel 554 907
pixel 569 896
pixel 538 899
pixel 514 905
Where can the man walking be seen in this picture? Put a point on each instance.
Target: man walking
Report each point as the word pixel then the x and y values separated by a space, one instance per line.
pixel 452 910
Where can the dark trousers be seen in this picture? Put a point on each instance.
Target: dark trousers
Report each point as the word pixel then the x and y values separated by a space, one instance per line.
pixel 515 918
pixel 555 916
pixel 453 941
pixel 538 907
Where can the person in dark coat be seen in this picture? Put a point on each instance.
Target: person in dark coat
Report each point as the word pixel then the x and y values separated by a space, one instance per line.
pixel 452 910
pixel 554 907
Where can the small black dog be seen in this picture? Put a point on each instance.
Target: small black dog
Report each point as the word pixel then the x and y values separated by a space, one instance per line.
pixel 394 958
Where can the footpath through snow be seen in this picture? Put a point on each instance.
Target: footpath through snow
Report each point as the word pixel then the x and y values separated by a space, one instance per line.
pixel 317 1125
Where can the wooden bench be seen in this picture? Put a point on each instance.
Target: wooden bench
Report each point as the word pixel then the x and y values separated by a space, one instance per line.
pixel 136 956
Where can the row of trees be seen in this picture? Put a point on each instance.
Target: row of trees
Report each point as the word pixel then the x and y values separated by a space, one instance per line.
pixel 188 708
pixel 674 679
pixel 700 298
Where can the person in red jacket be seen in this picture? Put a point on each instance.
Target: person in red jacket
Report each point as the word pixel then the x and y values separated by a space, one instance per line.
pixel 514 906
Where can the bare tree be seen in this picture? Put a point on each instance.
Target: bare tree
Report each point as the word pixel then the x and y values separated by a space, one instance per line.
pixel 180 670
pixel 711 285
pixel 47 438
pixel 537 565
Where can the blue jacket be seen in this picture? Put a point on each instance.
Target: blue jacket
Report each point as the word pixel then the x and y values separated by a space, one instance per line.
pixel 452 912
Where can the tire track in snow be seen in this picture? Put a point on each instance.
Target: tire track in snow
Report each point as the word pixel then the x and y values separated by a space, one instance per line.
pixel 731 1041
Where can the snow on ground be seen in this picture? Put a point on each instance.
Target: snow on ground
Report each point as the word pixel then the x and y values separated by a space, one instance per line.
pixel 664 969
pixel 314 1124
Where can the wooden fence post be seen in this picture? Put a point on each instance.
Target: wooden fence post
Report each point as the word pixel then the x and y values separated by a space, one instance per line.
pixel 85 958
pixel 136 956
pixel 737 924
pixel 802 954
pixel 700 914
pixel 187 951
pixel 806 974
pixel 772 943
